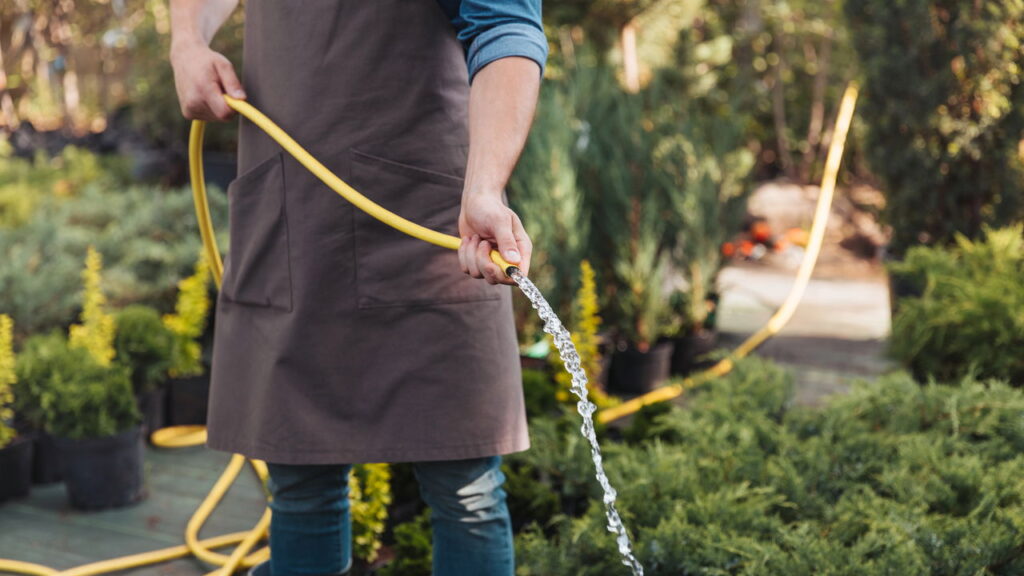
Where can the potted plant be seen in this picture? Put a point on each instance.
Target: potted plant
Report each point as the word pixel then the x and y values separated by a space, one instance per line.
pixel 624 203
pixel 189 384
pixel 88 405
pixel 640 362
pixel 144 344
pixel 15 449
pixel 30 383
pixel 89 409
pixel 706 166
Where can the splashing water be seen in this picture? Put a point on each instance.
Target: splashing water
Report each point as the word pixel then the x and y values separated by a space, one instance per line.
pixel 586 408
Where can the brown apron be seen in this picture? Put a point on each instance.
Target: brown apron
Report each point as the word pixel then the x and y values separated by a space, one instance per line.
pixel 338 339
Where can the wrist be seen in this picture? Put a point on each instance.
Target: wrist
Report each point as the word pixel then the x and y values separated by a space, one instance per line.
pixel 483 192
pixel 184 43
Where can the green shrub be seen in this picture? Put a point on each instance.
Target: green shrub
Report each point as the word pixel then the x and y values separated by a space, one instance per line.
pixel 413 549
pixel 66 392
pixel 144 344
pixel 943 96
pixel 896 478
pixel 554 476
pixel 969 317
pixel 539 393
pixel 370 492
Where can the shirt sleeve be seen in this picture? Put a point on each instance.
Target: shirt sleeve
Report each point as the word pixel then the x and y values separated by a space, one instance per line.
pixel 495 29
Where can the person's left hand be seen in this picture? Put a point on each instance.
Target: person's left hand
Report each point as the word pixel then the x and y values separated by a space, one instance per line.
pixel 485 224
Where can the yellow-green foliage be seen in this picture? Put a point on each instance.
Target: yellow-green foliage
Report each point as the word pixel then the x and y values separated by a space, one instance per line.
pixel 26 184
pixel 370 494
pixel 96 332
pixel 189 320
pixel 588 321
pixel 7 378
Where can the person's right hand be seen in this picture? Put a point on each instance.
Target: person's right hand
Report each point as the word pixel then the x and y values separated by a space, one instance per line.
pixel 201 77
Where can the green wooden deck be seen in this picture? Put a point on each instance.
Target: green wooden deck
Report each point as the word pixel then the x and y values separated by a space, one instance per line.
pixel 44 529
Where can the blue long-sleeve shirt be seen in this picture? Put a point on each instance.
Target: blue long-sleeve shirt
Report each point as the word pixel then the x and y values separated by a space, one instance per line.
pixel 493 29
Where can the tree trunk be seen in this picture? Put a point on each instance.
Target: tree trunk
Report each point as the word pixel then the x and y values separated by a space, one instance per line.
pixel 630 63
pixel 817 123
pixel 60 36
pixel 779 117
pixel 8 115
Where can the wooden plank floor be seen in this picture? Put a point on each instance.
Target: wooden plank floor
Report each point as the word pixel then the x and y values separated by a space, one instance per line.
pixel 45 530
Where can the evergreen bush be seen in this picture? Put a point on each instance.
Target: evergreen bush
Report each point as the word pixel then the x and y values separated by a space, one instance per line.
pixel 623 204
pixel 706 168
pixel 896 478
pixel 144 344
pixel 148 237
pixel 413 549
pixel 969 317
pixel 943 101
pixel 65 391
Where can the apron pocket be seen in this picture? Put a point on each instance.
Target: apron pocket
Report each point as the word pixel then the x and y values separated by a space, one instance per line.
pixel 394 269
pixel 257 268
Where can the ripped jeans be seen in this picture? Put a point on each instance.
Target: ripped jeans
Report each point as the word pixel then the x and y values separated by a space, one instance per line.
pixel 311 531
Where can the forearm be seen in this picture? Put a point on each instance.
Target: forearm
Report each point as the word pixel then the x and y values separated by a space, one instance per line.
pixel 502 102
pixel 196 21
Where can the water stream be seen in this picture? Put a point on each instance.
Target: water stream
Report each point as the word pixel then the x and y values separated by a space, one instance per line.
pixel 586 408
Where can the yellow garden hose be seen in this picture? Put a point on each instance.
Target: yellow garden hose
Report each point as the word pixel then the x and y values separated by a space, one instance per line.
pixel 803 276
pixel 241 557
pixel 195 157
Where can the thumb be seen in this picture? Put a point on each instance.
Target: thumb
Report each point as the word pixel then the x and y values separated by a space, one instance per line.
pixel 507 245
pixel 228 79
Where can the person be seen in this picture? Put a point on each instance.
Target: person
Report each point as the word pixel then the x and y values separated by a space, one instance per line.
pixel 338 340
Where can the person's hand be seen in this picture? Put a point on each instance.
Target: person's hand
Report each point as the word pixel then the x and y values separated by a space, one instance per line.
pixel 201 77
pixel 485 224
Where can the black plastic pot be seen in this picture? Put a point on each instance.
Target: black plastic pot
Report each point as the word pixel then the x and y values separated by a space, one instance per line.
pixel 187 400
pixel 104 472
pixel 16 467
pixel 635 372
pixel 690 351
pixel 153 406
pixel 47 464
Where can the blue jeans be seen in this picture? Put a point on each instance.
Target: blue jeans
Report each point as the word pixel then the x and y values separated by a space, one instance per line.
pixel 311 529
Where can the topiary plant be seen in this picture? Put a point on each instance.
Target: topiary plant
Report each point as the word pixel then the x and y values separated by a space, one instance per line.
pixel 144 344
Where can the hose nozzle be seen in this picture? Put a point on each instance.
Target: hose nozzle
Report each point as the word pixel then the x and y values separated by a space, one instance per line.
pixel 505 266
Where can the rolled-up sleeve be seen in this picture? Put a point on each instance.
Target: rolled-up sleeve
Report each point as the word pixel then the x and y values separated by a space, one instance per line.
pixel 495 29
